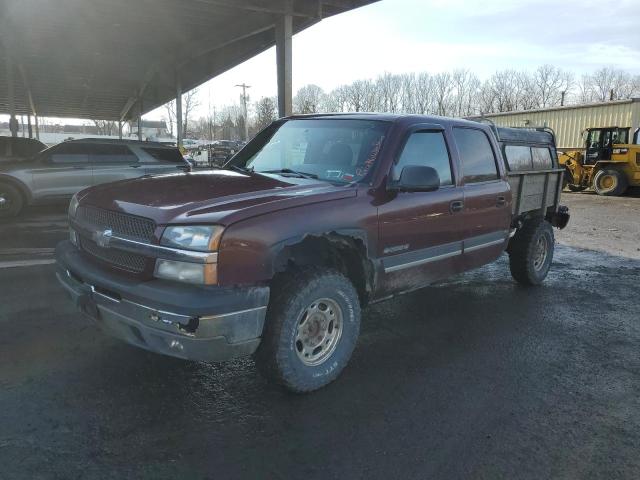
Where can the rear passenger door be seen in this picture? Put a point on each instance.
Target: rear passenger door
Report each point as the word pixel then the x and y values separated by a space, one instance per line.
pixel 421 233
pixel 113 162
pixel 487 197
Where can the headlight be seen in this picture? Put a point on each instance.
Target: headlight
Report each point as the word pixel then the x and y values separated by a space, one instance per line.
pixel 199 273
pixel 202 238
pixel 73 205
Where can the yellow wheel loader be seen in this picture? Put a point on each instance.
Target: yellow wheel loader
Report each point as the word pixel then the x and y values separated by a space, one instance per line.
pixel 609 163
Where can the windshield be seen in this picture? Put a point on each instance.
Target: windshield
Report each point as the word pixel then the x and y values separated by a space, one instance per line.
pixel 336 150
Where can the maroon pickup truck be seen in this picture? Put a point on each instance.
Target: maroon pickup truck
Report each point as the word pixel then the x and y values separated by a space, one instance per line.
pixel 315 218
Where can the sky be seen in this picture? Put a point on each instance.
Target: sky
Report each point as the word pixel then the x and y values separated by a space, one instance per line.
pixel 436 35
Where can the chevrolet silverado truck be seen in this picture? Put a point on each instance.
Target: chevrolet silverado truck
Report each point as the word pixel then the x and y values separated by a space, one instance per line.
pixel 317 217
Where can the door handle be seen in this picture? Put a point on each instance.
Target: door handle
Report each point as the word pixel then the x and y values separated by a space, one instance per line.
pixel 456 206
pixel 134 166
pixel 501 201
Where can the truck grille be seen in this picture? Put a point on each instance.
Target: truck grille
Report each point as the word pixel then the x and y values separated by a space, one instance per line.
pixel 130 262
pixel 121 224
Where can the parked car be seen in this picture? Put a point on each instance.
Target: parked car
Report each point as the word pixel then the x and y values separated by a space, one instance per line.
pixel 58 172
pixel 221 151
pixel 317 217
pixel 14 149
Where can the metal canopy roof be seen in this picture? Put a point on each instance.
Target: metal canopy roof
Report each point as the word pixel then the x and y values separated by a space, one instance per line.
pixel 98 58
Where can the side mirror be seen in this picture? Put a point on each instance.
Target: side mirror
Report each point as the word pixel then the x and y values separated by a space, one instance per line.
pixel 417 178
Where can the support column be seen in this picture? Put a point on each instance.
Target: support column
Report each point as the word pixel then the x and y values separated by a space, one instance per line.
pixel 35 119
pixel 13 121
pixel 29 128
pixel 179 132
pixel 120 129
pixel 139 120
pixel 284 32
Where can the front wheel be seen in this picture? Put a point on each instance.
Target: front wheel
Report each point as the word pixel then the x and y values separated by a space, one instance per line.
pixel 10 200
pixel 312 326
pixel 531 252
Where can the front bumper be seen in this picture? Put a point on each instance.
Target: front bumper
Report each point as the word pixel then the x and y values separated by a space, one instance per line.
pixel 187 321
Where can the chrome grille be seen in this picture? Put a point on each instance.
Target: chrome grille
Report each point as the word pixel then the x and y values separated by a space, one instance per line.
pixel 121 224
pixel 119 258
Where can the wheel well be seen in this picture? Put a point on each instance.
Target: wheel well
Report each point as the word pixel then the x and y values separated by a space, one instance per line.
pixel 19 185
pixel 344 253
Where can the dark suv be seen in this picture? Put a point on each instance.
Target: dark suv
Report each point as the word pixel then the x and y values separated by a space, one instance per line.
pixel 66 168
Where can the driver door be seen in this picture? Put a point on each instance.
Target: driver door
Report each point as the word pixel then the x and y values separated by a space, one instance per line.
pixel 421 233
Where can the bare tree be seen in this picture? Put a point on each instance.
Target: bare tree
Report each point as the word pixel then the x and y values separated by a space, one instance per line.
pixel 106 127
pixel 308 99
pixel 190 102
pixel 170 117
pixel 266 112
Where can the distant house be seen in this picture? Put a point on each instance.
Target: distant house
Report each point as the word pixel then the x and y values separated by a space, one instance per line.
pixel 150 129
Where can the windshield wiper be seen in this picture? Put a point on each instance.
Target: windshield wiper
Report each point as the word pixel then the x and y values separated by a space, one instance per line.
pixel 293 172
pixel 241 169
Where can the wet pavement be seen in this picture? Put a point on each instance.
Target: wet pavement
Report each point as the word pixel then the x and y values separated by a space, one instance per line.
pixel 473 378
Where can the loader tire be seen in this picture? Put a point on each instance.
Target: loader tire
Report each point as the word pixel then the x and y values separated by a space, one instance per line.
pixel 610 183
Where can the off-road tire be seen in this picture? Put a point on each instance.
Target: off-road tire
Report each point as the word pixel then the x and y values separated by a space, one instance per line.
pixel 292 293
pixel 618 181
pixel 524 260
pixel 13 201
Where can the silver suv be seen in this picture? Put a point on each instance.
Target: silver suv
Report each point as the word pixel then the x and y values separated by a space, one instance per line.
pixel 56 173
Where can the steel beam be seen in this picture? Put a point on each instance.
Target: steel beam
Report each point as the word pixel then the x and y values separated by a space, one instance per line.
pixel 284 33
pixel 179 132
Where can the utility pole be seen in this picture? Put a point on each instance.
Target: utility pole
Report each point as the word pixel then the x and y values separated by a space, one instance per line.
pixel 244 108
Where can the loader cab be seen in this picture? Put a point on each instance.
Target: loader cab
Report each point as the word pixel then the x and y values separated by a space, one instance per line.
pixel 600 142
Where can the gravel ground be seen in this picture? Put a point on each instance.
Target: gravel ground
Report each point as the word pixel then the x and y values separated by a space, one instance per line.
pixel 606 224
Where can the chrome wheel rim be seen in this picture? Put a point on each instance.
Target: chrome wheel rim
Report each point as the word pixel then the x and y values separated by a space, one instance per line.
pixel 540 253
pixel 4 201
pixel 318 331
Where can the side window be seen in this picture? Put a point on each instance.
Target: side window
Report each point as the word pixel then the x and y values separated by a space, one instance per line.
pixel 541 158
pixel 69 153
pixel 105 153
pixel 518 157
pixel 171 155
pixel 476 155
pixel 428 149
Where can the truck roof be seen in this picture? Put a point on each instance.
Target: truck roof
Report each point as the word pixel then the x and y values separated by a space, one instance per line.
pixel 389 117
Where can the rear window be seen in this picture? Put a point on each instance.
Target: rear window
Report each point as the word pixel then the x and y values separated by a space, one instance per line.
pixel 478 160
pixel 171 155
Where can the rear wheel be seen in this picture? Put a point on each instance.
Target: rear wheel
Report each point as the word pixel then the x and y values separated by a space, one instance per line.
pixel 312 326
pixel 11 202
pixel 531 252
pixel 609 182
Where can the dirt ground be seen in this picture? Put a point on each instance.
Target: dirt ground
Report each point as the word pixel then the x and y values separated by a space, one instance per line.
pixel 607 224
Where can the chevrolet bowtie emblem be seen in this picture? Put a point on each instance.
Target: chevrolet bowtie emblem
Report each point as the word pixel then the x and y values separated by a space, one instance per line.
pixel 102 238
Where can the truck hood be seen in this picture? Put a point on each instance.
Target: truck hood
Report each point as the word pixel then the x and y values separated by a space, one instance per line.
pixel 217 196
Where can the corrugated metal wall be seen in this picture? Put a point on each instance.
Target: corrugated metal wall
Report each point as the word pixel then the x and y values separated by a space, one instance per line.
pixel 569 122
